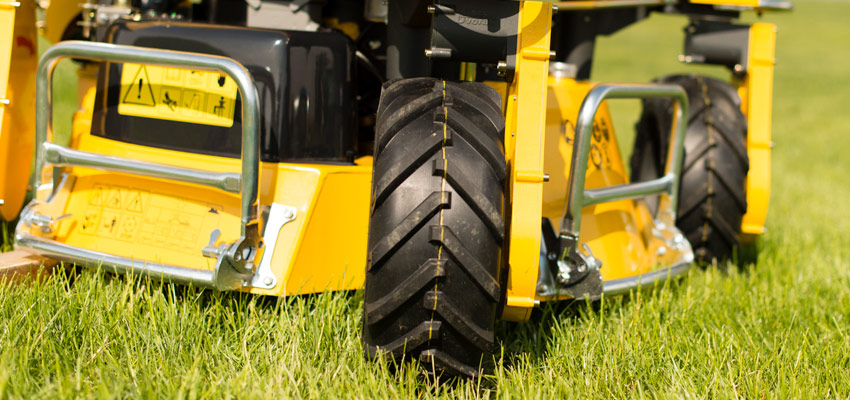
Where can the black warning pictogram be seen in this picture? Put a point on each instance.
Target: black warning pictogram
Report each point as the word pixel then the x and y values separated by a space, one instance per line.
pixel 167 99
pixel 140 91
pixel 135 202
pixel 96 197
pixel 114 199
pixel 218 109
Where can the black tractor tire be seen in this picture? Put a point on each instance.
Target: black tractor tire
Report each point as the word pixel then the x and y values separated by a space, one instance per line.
pixel 436 227
pixel 712 194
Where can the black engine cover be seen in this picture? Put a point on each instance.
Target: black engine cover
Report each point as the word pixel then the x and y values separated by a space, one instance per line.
pixel 305 81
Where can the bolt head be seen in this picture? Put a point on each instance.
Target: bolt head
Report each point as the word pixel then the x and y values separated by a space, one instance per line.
pixel 268 281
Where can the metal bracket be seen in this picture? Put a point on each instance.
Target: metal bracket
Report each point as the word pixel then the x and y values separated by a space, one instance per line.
pixel 279 216
pixel 718 43
pixel 578 279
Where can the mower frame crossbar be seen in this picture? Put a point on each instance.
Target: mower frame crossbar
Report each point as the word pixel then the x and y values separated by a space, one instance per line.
pixel 117 264
pixel 61 156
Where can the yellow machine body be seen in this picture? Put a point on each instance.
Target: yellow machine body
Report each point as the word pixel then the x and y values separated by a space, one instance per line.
pixel 18 61
pixel 324 246
pixel 168 222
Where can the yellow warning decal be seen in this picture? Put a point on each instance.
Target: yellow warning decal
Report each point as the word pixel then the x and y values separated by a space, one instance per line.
pixel 129 215
pixel 177 94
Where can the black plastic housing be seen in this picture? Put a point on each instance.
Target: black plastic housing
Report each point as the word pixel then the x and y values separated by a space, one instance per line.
pixel 305 82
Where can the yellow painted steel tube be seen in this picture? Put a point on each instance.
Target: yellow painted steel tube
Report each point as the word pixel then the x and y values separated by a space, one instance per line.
pixel 756 91
pixel 524 137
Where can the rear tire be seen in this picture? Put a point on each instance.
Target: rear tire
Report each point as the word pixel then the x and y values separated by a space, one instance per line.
pixel 712 194
pixel 436 226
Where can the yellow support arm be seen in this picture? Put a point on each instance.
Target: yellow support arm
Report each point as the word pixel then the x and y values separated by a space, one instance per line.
pixel 525 130
pixel 756 91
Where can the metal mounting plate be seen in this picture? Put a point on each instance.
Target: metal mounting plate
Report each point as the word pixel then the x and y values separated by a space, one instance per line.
pixel 279 215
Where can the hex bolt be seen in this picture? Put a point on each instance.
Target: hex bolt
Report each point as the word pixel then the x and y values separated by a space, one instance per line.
pixel 268 281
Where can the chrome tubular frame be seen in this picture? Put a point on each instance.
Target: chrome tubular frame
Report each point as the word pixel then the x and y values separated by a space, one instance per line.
pixel 624 285
pixel 579 197
pixel 109 262
pixel 239 255
pixel 64 157
pixel 248 185
pixel 557 283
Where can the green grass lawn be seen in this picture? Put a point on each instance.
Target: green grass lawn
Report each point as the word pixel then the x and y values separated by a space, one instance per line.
pixel 777 329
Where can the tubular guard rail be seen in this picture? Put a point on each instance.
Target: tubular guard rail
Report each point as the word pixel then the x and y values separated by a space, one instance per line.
pixel 237 256
pixel 668 184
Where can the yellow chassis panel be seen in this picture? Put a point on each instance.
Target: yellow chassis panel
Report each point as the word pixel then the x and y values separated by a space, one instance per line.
pixel 323 248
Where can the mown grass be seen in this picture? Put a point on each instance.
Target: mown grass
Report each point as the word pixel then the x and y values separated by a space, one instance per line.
pixel 775 329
